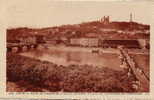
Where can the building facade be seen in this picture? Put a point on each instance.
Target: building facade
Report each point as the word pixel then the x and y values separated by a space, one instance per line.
pixel 85 42
pixel 28 39
pixel 117 43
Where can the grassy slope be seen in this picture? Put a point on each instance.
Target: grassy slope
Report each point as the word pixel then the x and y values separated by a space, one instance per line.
pixel 73 78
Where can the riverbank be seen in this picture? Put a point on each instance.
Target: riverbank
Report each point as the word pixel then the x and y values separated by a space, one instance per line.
pixel 90 49
pixel 47 76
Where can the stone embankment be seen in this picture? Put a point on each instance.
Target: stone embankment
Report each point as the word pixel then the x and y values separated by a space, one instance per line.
pixel 142 80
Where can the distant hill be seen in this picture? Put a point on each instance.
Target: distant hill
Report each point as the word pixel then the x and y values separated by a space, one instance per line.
pixel 79 30
pixel 118 25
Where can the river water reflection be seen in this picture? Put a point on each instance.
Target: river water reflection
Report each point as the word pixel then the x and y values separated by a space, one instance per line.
pixel 64 57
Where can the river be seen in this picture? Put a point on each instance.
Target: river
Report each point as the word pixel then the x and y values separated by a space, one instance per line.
pixel 67 56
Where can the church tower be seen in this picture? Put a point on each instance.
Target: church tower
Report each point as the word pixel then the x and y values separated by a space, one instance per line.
pixel 105 20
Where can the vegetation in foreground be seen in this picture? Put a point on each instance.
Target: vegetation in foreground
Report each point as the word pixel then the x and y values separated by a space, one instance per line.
pixel 37 76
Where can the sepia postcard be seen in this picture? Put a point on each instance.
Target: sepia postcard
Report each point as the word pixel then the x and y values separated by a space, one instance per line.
pixel 56 49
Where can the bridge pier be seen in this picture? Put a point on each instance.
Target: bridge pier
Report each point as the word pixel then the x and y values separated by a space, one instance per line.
pixel 21 47
pixel 31 47
pixel 24 48
pixel 14 50
pixel 35 45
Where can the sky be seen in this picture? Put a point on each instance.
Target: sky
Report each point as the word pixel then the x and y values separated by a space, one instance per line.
pixel 48 13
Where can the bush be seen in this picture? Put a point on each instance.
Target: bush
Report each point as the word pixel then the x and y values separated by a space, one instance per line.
pixel 72 78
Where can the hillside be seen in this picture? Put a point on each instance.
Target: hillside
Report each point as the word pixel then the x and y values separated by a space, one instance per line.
pixel 90 29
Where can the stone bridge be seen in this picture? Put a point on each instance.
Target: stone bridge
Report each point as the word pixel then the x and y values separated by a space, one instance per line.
pixel 20 47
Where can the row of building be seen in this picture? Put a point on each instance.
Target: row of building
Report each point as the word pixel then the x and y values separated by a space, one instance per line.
pixel 109 43
pixel 87 42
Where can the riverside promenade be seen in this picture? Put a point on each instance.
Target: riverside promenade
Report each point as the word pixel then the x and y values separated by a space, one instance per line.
pixel 136 71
